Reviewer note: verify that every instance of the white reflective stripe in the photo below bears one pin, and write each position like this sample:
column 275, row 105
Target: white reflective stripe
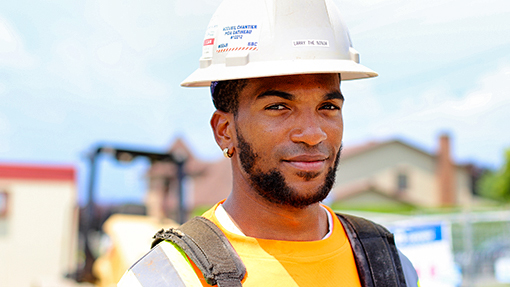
column 155, row 269
column 164, row 265
column 181, row 264
column 129, row 280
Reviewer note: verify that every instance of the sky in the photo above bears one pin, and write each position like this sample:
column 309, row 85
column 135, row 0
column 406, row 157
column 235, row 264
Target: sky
column 78, row 74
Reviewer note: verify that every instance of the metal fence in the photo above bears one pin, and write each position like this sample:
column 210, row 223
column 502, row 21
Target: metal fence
column 478, row 241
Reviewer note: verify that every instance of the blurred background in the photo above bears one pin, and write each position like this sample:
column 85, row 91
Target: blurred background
column 100, row 146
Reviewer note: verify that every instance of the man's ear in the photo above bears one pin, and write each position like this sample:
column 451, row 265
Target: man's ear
column 222, row 124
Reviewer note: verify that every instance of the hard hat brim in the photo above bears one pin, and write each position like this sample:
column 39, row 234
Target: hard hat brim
column 348, row 69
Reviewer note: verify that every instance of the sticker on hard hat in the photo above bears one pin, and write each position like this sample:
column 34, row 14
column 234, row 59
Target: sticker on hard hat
column 208, row 47
column 310, row 43
column 237, row 38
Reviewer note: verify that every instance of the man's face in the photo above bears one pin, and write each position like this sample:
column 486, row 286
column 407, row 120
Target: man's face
column 289, row 134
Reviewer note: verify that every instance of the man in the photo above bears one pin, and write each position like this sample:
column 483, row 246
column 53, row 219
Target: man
column 275, row 68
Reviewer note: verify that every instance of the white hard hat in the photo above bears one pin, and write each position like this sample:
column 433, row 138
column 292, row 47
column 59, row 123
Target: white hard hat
column 264, row 38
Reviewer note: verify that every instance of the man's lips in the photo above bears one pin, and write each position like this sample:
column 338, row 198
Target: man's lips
column 309, row 163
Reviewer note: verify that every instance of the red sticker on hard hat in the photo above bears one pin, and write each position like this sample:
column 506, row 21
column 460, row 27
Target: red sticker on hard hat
column 210, row 35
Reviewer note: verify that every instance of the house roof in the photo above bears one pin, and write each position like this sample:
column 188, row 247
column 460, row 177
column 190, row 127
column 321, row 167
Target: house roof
column 371, row 145
column 355, row 150
column 37, row 172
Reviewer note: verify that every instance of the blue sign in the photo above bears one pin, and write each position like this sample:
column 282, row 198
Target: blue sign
column 411, row 235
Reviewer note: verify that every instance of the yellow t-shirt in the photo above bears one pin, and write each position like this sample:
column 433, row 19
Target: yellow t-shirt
column 327, row 262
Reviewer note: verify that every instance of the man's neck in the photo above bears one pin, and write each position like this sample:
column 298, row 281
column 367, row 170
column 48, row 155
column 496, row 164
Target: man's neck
column 256, row 217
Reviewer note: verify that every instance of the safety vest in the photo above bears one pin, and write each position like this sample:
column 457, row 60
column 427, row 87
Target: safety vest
column 377, row 259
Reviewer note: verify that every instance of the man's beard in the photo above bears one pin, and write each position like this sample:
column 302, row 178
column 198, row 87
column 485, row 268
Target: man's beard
column 272, row 186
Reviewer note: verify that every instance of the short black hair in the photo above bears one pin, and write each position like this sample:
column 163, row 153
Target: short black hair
column 225, row 94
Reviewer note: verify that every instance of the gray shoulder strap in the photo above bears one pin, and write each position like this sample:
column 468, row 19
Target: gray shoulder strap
column 206, row 245
column 374, row 251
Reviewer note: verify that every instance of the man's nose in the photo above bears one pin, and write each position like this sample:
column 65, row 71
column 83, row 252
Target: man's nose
column 308, row 130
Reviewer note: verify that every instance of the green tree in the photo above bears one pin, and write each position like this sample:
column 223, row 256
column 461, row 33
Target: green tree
column 496, row 184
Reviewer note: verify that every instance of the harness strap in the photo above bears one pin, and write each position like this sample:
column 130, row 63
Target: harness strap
column 374, row 251
column 206, row 245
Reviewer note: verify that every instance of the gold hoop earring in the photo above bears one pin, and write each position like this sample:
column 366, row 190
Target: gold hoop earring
column 226, row 153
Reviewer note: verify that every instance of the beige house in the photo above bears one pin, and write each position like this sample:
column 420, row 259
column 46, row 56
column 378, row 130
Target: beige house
column 395, row 173
column 391, row 173
column 38, row 224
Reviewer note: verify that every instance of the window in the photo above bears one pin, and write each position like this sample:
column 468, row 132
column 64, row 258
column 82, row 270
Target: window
column 4, row 212
column 402, row 182
column 3, row 204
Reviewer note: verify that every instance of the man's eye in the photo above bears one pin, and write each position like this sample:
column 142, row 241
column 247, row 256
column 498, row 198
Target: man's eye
column 329, row 107
column 276, row 107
